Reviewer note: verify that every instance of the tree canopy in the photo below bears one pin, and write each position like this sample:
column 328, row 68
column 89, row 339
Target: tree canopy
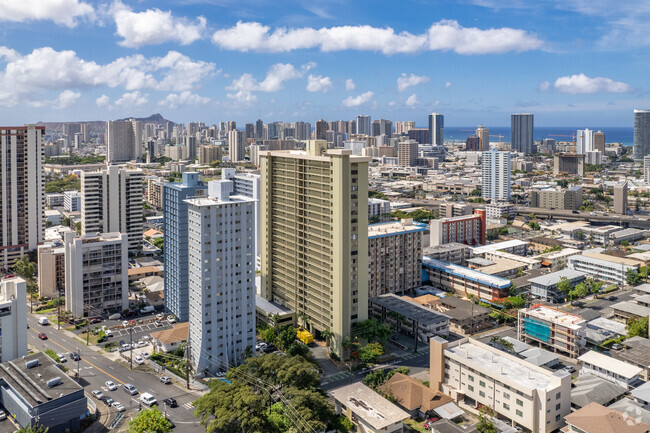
column 638, row 327
column 149, row 421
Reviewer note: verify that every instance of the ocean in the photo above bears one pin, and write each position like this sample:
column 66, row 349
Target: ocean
column 624, row 135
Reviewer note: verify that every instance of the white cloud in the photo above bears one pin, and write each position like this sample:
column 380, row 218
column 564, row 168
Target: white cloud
column 543, row 86
column 132, row 100
column 45, row 69
column 412, row 100
column 355, row 101
column 153, row 27
column 447, row 84
column 183, row 99
column 445, row 35
column 318, row 83
column 405, row 81
column 103, row 101
column 64, row 12
column 581, row 83
column 277, row 74
column 349, row 84
column 66, row 99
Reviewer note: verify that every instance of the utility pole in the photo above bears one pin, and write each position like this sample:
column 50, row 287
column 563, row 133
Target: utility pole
column 58, row 314
column 131, row 348
column 187, row 363
column 78, row 360
column 88, row 329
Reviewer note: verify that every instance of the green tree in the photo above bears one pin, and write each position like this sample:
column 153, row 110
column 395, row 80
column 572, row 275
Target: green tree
column 149, row 421
column 533, row 225
column 403, row 369
column 564, row 285
column 370, row 353
column 327, row 335
column 33, row 429
column 503, row 231
column 632, row 277
column 25, row 269
column 377, row 194
column 286, row 337
column 159, row 243
column 485, row 424
column 372, row 330
column 476, row 192
column 269, row 335
column 375, row 378
column 638, row 327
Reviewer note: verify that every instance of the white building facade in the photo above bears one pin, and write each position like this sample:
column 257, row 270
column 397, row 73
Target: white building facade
column 13, row 319
column 495, row 166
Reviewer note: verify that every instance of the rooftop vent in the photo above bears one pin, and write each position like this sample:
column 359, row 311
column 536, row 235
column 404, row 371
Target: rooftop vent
column 31, row 363
column 53, row 382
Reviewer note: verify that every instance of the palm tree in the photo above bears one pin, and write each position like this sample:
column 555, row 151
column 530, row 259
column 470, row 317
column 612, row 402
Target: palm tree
column 327, row 335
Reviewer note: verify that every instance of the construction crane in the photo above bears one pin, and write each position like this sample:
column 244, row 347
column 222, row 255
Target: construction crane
column 500, row 137
column 573, row 140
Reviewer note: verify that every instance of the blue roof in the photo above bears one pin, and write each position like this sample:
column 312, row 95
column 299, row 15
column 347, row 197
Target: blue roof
column 466, row 273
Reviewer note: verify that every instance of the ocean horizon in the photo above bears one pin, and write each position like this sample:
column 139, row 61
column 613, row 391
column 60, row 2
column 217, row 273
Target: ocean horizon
column 623, row 135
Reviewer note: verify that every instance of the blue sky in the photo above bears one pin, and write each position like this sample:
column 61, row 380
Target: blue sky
column 571, row 62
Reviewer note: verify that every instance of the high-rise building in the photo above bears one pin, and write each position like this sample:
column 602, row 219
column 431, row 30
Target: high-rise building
column 495, row 167
column 473, row 143
column 641, row 134
column 382, row 127
column 407, row 153
column 124, row 141
column 250, row 131
column 22, row 202
column 247, row 185
column 646, row 169
column 51, row 271
column 620, row 198
column 599, row 142
column 209, row 153
column 483, row 135
column 466, row 229
column 231, row 126
column 175, row 226
column 314, row 224
column 554, row 198
column 259, row 129
column 570, row 163
column 85, row 136
column 584, row 141
column 404, row 127
column 236, row 146
column 111, row 201
column 303, row 130
column 221, row 247
column 13, row 319
column 363, row 124
column 521, row 132
column 321, row 129
column 421, row 135
column 437, row 129
column 547, row 145
column 96, row 273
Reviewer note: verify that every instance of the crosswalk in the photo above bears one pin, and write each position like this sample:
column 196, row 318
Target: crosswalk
column 336, row 377
column 188, row 406
column 413, row 355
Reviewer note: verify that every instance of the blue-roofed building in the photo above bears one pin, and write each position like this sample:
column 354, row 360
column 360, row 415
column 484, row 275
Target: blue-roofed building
column 465, row 281
column 544, row 287
column 175, row 237
column 394, row 256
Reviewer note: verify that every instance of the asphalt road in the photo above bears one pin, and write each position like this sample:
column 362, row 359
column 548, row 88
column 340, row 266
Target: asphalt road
column 95, row 369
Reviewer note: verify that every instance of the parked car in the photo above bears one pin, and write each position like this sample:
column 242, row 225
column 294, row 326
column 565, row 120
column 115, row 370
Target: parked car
column 166, row 380
column 130, row 389
column 118, row 406
column 75, row 356
column 171, row 402
column 42, row 335
column 159, row 323
column 260, row 346
column 160, row 316
column 569, row 369
column 98, row 394
column 171, row 319
column 148, row 399
column 95, row 320
column 110, row 385
column 612, row 298
column 125, row 323
column 3, row 415
column 617, row 346
column 62, row 357
column 138, row 360
column 270, row 348
column 145, row 355
column 142, row 343
column 108, row 401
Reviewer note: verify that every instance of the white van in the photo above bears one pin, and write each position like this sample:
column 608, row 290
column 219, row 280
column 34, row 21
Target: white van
column 148, row 399
column 43, row 321
column 148, row 309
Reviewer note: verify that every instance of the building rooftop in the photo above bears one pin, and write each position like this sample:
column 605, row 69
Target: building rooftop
column 211, row 201
column 555, row 277
column 503, row 265
column 552, row 315
column 626, row 232
column 369, row 406
column 32, row 382
column 632, row 308
column 463, row 272
column 270, row 307
column 177, row 333
column 504, row 255
column 597, row 418
column 412, row 394
column 395, row 228
column 563, row 253
column 452, row 246
column 605, row 259
column 608, row 363
column 589, row 388
column 457, row 308
column 410, row 310
column 492, row 360
column 513, row 243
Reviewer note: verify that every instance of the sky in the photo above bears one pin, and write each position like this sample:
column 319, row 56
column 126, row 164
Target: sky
column 570, row 62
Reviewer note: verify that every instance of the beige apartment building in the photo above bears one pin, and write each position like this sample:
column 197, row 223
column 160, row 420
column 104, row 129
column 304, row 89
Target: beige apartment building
column 552, row 198
column 314, row 236
column 51, row 271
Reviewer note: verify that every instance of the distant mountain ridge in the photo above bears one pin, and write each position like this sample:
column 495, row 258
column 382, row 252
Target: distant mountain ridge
column 100, row 125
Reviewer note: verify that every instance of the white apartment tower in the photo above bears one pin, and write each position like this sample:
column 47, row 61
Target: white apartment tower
column 96, row 273
column 221, row 246
column 13, row 319
column 22, row 202
column 496, row 175
column 111, row 201
column 236, row 145
column 584, row 141
column 646, row 169
column 124, row 141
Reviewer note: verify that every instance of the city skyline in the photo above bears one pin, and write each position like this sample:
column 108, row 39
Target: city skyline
column 474, row 61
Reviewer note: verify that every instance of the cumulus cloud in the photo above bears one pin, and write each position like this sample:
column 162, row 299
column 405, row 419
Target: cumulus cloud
column 349, row 84
column 355, row 101
column 447, row 84
column 63, row 12
column 183, row 99
column 45, row 69
column 543, row 86
column 132, row 100
column 318, row 83
column 153, row 27
column 405, row 81
column 581, row 83
column 103, row 101
column 66, row 99
column 244, row 86
column 445, row 35
column 412, row 100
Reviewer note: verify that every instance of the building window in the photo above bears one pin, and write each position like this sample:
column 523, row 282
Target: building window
column 471, row 378
column 557, row 417
column 480, row 382
column 519, row 413
column 481, row 393
column 470, row 387
column 520, row 403
column 506, row 406
column 506, row 395
column 557, row 406
column 558, row 395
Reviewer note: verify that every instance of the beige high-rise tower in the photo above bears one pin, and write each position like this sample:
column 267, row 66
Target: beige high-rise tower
column 314, row 236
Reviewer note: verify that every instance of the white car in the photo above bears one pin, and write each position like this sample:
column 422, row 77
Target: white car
column 3, row 415
column 166, row 380
column 98, row 394
column 125, row 323
column 145, row 355
column 138, row 360
column 62, row 357
column 111, row 386
column 171, row 319
column 118, row 406
column 142, row 343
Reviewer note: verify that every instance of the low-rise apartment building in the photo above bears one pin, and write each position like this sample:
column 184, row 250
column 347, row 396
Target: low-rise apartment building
column 468, row 229
column 513, row 246
column 378, row 207
column 544, row 287
column 406, row 315
column 603, row 267
column 465, row 281
column 558, row 260
column 553, row 329
column 610, row 369
column 51, row 271
column 529, row 396
column 452, row 252
column 394, row 256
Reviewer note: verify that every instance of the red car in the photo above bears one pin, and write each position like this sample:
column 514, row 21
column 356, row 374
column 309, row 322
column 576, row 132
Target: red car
column 42, row 335
column 95, row 320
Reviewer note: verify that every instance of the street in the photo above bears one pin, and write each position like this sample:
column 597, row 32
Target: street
column 95, row 369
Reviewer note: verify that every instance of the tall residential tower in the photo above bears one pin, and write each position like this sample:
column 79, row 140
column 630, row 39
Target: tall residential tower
column 495, row 166
column 521, row 132
column 436, row 129
column 641, row 134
